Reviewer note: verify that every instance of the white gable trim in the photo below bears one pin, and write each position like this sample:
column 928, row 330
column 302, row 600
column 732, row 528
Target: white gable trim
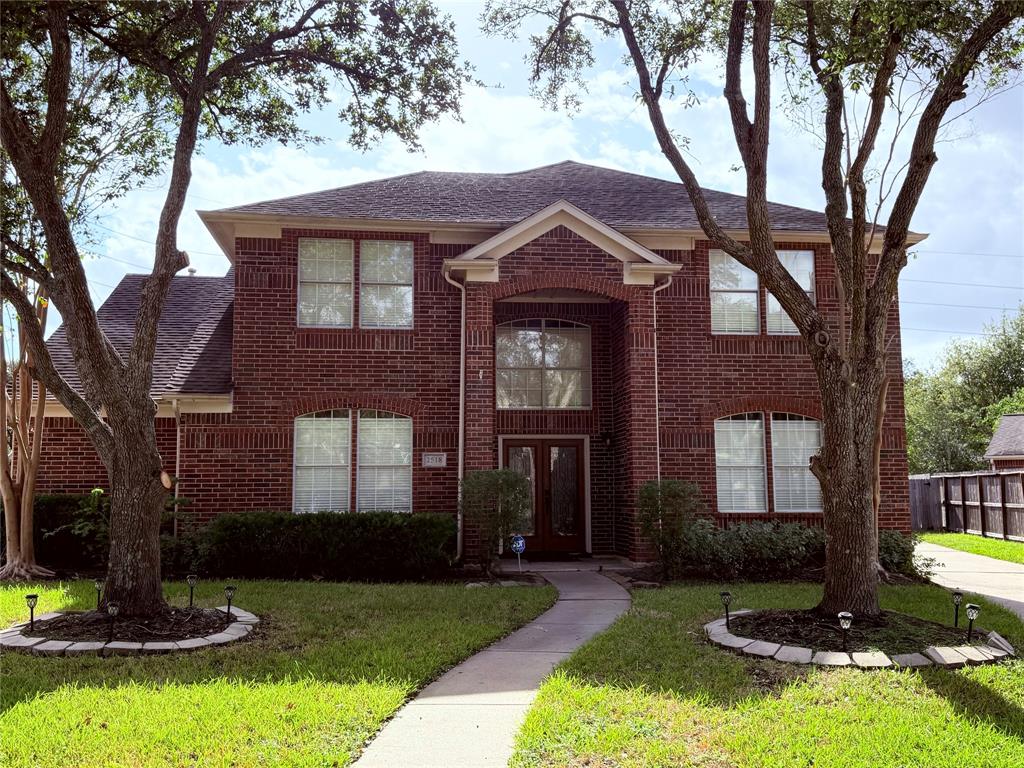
column 568, row 215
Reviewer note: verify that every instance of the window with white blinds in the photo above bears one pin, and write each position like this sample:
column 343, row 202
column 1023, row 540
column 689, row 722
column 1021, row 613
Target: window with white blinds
column 385, row 284
column 384, row 475
column 322, row 467
column 739, row 463
column 542, row 364
column 325, row 282
column 734, row 302
column 800, row 264
column 794, row 440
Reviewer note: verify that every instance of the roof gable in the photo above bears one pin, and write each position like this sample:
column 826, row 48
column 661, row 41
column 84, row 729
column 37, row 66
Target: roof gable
column 1008, row 439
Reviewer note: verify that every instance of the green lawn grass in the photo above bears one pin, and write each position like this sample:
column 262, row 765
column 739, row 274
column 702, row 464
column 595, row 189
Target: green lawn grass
column 1000, row 549
column 326, row 666
column 652, row 692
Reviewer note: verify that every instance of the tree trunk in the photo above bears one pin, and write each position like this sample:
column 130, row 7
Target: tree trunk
column 137, row 499
column 847, row 473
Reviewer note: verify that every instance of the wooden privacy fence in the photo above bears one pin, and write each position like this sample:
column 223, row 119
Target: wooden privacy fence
column 983, row 503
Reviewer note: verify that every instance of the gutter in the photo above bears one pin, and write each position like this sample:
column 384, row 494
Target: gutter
column 462, row 404
column 657, row 386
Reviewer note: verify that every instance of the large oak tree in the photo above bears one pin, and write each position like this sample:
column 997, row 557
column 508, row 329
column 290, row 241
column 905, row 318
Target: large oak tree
column 234, row 71
column 826, row 53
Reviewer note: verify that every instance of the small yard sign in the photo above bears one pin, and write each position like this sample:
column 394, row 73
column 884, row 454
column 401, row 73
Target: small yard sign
column 519, row 546
column 435, row 460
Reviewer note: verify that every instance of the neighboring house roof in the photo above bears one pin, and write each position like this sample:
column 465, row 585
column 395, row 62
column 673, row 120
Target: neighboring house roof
column 193, row 350
column 1008, row 439
column 617, row 198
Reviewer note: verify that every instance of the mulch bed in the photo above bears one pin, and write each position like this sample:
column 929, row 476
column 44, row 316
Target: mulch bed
column 175, row 624
column 889, row 633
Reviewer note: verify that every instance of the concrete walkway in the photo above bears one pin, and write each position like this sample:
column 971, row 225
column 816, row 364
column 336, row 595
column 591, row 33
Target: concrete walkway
column 469, row 717
column 998, row 580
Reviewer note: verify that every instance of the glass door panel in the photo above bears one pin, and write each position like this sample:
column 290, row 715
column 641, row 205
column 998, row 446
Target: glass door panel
column 565, row 490
column 522, row 459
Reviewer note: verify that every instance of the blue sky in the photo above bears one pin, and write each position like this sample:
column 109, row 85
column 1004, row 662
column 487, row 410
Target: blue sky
column 970, row 267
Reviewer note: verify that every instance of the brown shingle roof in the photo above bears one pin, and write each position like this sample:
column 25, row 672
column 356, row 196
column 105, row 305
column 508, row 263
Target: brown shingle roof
column 1008, row 439
column 617, row 198
column 193, row 350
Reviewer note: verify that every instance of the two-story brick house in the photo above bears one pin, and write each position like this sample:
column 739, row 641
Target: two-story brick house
column 372, row 343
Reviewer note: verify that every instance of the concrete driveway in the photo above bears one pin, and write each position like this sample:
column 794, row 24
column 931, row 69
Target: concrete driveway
column 998, row 580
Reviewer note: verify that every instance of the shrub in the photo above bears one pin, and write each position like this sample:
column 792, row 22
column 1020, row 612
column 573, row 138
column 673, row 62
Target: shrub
column 896, row 554
column 72, row 530
column 368, row 546
column 667, row 512
column 495, row 502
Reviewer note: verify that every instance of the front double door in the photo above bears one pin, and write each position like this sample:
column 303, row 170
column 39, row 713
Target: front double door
column 554, row 467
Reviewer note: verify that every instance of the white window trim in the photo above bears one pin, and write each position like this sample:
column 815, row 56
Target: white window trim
column 812, row 294
column 411, row 284
column 295, row 464
column 588, row 372
column 412, row 461
column 298, row 287
column 757, row 299
column 775, row 485
column 764, row 468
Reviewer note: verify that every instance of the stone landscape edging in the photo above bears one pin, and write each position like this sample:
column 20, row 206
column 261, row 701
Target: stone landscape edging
column 950, row 657
column 14, row 639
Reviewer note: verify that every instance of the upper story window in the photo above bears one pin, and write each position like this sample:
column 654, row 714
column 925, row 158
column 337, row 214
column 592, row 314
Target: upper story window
column 739, row 463
column 734, row 296
column 325, row 282
column 800, row 264
column 322, row 451
column 542, row 364
column 794, row 440
column 385, row 284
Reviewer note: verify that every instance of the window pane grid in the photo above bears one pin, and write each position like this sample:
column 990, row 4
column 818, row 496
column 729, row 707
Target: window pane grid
column 739, row 463
column 322, row 445
column 325, row 282
column 794, row 440
column 800, row 264
column 385, row 284
column 734, row 296
column 384, row 480
column 542, row 364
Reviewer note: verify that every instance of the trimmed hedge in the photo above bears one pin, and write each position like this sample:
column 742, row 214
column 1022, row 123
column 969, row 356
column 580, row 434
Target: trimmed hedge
column 363, row 546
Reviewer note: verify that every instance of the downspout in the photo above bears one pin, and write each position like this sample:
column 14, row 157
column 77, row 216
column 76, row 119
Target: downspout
column 657, row 386
column 462, row 403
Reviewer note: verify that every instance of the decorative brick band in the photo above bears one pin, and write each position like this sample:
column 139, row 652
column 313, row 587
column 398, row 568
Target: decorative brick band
column 14, row 639
column 949, row 657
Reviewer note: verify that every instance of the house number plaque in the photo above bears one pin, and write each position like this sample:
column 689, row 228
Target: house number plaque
column 435, row 460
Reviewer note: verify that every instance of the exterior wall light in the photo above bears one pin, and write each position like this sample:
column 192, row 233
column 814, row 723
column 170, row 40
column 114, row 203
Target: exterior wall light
column 726, row 599
column 958, row 597
column 972, row 613
column 191, row 580
column 845, row 622
column 31, row 601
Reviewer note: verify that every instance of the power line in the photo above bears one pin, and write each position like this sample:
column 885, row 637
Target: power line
column 969, row 253
column 962, row 284
column 150, row 242
column 959, row 306
column 943, row 330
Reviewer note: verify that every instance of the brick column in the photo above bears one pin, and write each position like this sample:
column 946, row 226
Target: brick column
column 641, row 428
column 481, row 444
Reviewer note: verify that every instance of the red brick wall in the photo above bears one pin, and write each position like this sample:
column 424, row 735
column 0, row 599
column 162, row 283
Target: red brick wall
column 1000, row 464
column 243, row 460
column 69, row 463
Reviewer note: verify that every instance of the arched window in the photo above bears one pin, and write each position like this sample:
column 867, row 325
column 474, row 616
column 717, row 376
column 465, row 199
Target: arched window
column 322, row 471
column 385, row 462
column 794, row 440
column 542, row 364
column 323, row 467
column 739, row 463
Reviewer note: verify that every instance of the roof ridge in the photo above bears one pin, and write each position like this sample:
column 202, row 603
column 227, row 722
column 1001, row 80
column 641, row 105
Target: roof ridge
column 321, row 191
